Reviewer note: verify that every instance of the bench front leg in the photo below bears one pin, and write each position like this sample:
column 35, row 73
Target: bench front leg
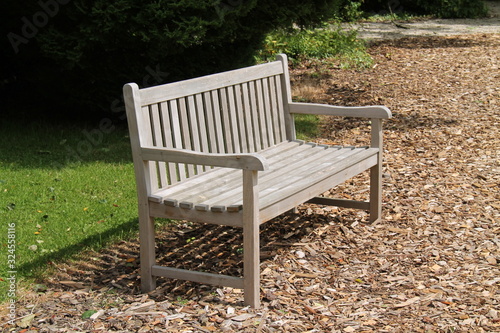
column 376, row 172
column 147, row 249
column 251, row 241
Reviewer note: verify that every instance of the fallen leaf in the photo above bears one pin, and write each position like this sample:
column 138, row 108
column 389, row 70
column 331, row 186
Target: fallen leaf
column 408, row 302
column 73, row 284
column 89, row 313
column 243, row 317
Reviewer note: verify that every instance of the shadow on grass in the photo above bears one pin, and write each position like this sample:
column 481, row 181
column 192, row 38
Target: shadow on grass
column 45, row 145
column 37, row 267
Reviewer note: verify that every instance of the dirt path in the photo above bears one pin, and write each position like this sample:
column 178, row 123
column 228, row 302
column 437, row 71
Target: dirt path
column 432, row 28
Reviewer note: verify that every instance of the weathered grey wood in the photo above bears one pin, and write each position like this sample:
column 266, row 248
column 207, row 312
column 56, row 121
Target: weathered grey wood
column 220, row 179
column 251, row 242
column 176, row 90
column 378, row 112
column 175, row 124
column 161, row 169
column 190, row 139
column 294, row 199
column 266, row 142
column 254, row 125
column 231, row 219
column 139, row 136
column 171, row 168
column 239, row 161
column 376, row 173
column 224, row 189
column 340, row 203
column 200, row 277
column 286, row 92
column 278, row 176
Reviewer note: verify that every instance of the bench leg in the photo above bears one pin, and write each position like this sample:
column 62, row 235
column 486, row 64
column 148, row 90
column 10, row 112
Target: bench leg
column 148, row 256
column 376, row 173
column 251, row 242
column 375, row 193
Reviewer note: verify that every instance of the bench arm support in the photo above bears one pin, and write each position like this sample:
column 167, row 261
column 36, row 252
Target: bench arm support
column 245, row 161
column 373, row 112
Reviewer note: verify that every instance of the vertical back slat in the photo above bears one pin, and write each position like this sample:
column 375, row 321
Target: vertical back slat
column 185, row 133
column 168, row 141
column 177, row 137
column 268, row 117
column 202, row 124
column 280, row 112
column 210, row 123
column 240, row 119
column 226, row 121
column 261, row 114
column 219, row 127
column 152, row 165
column 233, row 126
column 158, row 133
column 193, row 129
column 249, row 127
column 253, row 109
column 274, row 110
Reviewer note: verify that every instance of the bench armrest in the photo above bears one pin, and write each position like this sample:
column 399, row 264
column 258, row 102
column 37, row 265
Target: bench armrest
column 247, row 161
column 374, row 112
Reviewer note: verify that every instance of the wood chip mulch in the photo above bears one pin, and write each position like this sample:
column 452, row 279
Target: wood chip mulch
column 431, row 265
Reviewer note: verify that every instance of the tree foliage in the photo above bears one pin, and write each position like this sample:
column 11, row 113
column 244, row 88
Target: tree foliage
column 77, row 54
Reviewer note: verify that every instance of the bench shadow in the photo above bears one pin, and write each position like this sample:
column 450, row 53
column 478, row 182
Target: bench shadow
column 74, row 250
column 186, row 245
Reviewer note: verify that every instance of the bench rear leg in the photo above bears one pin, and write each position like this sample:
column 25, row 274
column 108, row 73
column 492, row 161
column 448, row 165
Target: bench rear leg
column 251, row 242
column 147, row 251
column 375, row 193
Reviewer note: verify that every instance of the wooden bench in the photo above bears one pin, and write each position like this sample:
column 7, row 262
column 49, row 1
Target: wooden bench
column 191, row 139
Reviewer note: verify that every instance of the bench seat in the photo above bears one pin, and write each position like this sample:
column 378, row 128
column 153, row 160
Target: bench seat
column 293, row 167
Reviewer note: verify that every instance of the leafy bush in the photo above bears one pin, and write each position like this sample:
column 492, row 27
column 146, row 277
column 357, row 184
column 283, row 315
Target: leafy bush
column 78, row 54
column 320, row 43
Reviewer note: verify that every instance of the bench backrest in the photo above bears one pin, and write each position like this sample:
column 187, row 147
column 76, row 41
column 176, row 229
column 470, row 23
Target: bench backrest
column 239, row 111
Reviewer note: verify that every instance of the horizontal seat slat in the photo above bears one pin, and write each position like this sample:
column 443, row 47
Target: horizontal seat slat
column 298, row 184
column 294, row 178
column 234, row 184
column 275, row 175
column 293, row 168
column 214, row 177
column 293, row 199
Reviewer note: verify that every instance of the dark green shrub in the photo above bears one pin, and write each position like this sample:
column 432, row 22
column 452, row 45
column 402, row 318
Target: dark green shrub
column 77, row 54
column 454, row 8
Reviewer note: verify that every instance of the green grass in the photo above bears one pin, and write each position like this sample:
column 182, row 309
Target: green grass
column 66, row 188
column 307, row 126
